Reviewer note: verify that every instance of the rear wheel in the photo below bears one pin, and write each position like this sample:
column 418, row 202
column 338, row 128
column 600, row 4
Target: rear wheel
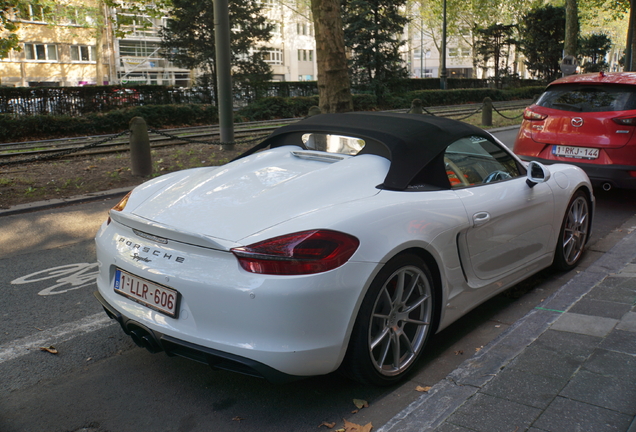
column 394, row 323
column 574, row 232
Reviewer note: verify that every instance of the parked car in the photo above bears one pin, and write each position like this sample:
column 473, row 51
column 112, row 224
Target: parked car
column 588, row 121
column 343, row 241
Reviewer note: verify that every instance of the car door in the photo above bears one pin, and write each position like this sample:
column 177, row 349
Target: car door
column 510, row 222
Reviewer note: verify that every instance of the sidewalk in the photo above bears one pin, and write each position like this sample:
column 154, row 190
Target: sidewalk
column 569, row 365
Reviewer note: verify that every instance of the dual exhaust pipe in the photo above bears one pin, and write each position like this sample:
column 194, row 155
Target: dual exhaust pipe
column 144, row 339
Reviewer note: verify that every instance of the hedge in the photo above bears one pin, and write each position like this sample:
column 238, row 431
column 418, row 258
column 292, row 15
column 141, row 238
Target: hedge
column 161, row 116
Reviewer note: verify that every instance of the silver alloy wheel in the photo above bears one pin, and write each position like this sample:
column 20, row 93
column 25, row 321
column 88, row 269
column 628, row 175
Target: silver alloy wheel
column 400, row 320
column 575, row 230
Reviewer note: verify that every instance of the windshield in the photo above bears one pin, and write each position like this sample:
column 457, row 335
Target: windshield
column 589, row 98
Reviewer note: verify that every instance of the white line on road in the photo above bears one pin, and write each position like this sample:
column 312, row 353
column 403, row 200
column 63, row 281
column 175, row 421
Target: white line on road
column 46, row 338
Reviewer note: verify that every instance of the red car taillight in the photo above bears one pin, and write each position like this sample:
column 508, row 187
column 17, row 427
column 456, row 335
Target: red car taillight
column 625, row 121
column 528, row 114
column 305, row 252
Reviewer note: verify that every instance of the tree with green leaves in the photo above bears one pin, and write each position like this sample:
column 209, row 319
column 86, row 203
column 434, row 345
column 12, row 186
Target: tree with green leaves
column 373, row 33
column 8, row 27
column 493, row 45
column 542, row 32
column 593, row 49
column 188, row 40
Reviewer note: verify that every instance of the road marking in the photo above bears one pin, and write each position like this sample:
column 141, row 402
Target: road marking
column 79, row 275
column 56, row 335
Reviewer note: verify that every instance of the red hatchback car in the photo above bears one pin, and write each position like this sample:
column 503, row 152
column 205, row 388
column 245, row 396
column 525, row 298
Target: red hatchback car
column 586, row 120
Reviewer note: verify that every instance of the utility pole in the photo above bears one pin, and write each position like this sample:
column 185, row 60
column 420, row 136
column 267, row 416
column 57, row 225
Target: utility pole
column 223, row 73
column 442, row 74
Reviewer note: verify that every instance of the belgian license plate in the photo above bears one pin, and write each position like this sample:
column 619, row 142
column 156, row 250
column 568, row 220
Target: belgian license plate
column 575, row 152
column 156, row 297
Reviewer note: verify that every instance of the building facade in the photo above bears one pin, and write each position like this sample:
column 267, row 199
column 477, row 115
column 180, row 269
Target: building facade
column 61, row 54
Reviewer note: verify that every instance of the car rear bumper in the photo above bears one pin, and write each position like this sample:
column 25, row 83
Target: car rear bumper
column 606, row 176
column 156, row 342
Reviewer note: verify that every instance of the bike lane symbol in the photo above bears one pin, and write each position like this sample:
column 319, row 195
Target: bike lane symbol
column 76, row 276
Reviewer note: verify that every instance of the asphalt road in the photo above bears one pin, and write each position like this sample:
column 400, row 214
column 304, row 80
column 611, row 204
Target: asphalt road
column 99, row 381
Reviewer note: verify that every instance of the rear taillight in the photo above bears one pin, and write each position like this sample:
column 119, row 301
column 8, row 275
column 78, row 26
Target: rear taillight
column 625, row 121
column 299, row 253
column 528, row 114
column 120, row 205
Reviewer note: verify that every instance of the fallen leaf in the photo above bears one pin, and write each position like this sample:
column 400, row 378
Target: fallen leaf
column 355, row 411
column 50, row 349
column 422, row 389
column 238, row 419
column 326, row 424
column 360, row 403
column 459, row 352
column 352, row 427
column 478, row 349
column 89, row 359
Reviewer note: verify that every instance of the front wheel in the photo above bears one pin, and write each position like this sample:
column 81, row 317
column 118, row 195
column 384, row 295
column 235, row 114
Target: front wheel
column 574, row 233
column 396, row 319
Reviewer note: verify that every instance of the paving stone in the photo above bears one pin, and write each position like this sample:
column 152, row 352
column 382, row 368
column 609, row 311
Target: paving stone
column 525, row 388
column 566, row 415
column 620, row 341
column 584, row 324
column 447, row 427
column 612, row 363
column 484, row 413
column 611, row 392
column 619, row 290
column 628, row 322
column 600, row 308
column 560, row 354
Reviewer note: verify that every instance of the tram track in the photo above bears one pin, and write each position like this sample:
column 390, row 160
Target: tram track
column 198, row 134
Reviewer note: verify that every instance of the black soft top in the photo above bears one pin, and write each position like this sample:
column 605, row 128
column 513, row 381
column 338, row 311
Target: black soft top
column 414, row 143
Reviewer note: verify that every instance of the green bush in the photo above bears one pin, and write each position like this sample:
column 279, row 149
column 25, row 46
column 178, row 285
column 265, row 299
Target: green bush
column 46, row 126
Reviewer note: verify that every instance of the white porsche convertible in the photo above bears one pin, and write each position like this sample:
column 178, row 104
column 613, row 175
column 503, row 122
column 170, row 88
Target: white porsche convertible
column 343, row 241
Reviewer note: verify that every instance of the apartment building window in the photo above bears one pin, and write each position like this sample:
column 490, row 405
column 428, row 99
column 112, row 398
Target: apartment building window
column 43, row 52
column 273, row 56
column 82, row 53
column 138, row 48
column 33, row 12
column 305, row 55
column 304, row 29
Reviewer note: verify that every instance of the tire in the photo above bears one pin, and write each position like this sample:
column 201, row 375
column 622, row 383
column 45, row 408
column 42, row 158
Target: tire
column 394, row 323
column 574, row 233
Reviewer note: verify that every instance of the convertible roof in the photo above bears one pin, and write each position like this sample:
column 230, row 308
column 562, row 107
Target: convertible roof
column 410, row 141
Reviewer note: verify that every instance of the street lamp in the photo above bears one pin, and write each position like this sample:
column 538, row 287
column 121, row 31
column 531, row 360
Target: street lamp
column 442, row 75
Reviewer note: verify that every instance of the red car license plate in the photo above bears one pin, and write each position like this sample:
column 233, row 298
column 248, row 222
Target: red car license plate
column 156, row 297
column 575, row 152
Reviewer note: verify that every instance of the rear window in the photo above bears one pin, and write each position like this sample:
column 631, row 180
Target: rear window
column 589, row 98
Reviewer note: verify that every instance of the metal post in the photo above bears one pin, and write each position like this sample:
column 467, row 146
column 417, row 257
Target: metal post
column 442, row 75
column 223, row 73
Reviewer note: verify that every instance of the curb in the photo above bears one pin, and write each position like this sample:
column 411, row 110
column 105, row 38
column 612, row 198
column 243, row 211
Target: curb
column 54, row 203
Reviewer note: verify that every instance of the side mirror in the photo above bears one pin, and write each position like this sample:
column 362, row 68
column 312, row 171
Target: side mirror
column 537, row 173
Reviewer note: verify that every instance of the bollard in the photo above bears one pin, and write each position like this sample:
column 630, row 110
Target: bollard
column 416, row 107
column 486, row 112
column 141, row 161
column 314, row 110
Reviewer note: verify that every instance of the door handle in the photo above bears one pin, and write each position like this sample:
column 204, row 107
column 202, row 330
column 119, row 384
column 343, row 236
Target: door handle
column 480, row 218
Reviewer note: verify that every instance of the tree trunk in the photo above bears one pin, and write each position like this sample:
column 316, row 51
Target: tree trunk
column 571, row 27
column 630, row 57
column 333, row 76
